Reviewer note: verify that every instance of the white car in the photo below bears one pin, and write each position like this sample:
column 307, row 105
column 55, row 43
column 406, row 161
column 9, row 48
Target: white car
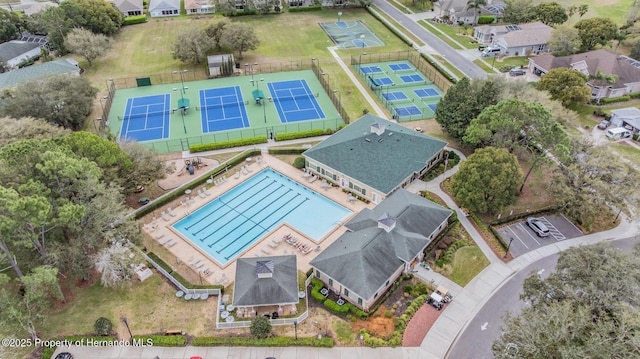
column 538, row 226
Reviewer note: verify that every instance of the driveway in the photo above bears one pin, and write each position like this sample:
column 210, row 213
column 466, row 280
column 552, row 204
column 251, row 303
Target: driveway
column 526, row 240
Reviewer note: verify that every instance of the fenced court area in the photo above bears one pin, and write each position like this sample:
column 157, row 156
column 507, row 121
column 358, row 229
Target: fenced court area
column 350, row 34
column 225, row 109
column 404, row 90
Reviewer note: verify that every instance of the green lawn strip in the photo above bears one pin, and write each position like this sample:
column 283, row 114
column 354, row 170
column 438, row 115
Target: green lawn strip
column 390, row 20
column 409, row 6
column 629, row 152
column 344, row 332
column 483, row 65
column 515, row 61
column 399, row 6
column 454, row 45
column 467, row 263
column 450, row 67
column 454, row 33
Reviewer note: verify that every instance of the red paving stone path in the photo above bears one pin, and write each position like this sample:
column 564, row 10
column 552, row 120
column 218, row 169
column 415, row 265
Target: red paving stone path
column 419, row 325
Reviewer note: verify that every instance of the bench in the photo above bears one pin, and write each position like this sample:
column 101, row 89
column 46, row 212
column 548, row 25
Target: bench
column 173, row 332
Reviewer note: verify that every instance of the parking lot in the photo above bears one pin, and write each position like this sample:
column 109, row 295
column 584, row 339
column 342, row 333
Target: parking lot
column 525, row 239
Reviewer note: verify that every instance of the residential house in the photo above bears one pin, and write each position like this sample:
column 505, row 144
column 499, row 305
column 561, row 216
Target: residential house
column 161, row 8
column 379, row 246
column 625, row 69
column 15, row 52
column 129, row 7
column 373, row 157
column 12, row 79
column 265, row 282
column 628, row 117
column 457, row 10
column 515, row 39
column 199, row 7
column 221, row 65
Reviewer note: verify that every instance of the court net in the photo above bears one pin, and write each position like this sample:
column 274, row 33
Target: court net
column 145, row 115
column 221, row 105
column 296, row 97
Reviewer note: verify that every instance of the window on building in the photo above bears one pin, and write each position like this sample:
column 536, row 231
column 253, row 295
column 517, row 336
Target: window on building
column 360, row 301
column 331, row 282
column 317, row 273
column 386, row 284
column 375, row 295
column 346, row 292
column 357, row 188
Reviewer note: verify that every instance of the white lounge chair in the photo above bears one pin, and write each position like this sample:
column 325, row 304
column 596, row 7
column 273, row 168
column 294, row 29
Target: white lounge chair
column 224, row 178
column 266, row 251
column 237, row 175
column 273, row 245
column 164, row 216
column 159, row 235
column 194, row 261
column 244, row 171
column 172, row 242
column 199, row 265
column 164, row 241
column 203, row 269
column 201, row 194
column 171, row 212
column 206, row 191
column 313, row 179
column 248, row 168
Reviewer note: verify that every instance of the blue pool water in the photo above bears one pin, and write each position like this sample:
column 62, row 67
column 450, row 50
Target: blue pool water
column 228, row 225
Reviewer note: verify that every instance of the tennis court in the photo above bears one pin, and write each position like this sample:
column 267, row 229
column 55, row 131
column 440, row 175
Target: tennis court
column 350, row 34
column 295, row 101
column 381, row 81
column 370, row 69
column 426, row 92
column 432, row 106
column 407, row 111
column 395, row 96
column 146, row 118
column 401, row 67
column 412, row 78
column 222, row 109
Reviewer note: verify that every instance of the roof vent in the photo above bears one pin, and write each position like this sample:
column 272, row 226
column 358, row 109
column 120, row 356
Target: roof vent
column 380, row 140
column 387, row 222
column 390, row 134
column 377, row 128
column 367, row 139
column 264, row 269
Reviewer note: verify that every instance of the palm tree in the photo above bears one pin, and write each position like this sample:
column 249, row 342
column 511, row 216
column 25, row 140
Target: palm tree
column 477, row 5
column 602, row 78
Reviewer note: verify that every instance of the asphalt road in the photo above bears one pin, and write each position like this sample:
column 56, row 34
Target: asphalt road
column 467, row 67
column 476, row 339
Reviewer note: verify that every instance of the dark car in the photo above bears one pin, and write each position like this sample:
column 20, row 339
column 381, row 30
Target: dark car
column 517, row 72
column 538, row 226
column 144, row 200
column 64, row 355
column 604, row 124
column 481, row 47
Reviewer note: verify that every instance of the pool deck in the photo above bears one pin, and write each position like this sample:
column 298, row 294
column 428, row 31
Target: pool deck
column 184, row 252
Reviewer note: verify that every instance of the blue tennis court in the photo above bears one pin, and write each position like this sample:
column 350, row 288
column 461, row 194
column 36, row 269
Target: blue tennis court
column 412, row 78
column 295, row 101
column 426, row 92
column 370, row 69
column 400, row 67
column 395, row 96
column 408, row 111
column 432, row 106
column 146, row 118
column 381, row 81
column 342, row 24
column 222, row 109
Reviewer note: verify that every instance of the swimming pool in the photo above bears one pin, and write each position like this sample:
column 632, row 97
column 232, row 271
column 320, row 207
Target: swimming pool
column 228, row 225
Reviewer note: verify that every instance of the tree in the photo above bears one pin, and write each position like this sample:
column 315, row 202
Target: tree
column 87, row 44
column 635, row 50
column 487, row 181
column 565, row 85
column 583, row 9
column 590, row 180
column 12, row 130
column 519, row 11
column 192, row 45
column 103, row 326
column 56, row 22
column 564, row 40
column 62, row 100
column 596, row 31
column 463, row 102
column 239, row 37
column 551, row 13
column 260, row 327
column 587, row 308
column 10, row 25
column 215, row 31
column 101, row 16
column 477, row 6
column 146, row 166
column 115, row 265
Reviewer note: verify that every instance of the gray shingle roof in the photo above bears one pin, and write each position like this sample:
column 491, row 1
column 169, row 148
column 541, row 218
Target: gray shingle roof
column 280, row 288
column 363, row 155
column 366, row 256
column 13, row 78
column 128, row 5
column 15, row 48
column 163, row 4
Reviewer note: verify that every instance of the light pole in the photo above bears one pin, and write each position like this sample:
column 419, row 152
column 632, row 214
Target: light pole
column 181, row 115
column 339, row 14
column 387, row 92
column 362, row 39
column 250, row 66
column 360, row 59
column 264, row 109
column 184, row 89
column 126, row 323
column 102, row 104
column 340, row 96
column 328, row 79
column 109, row 85
column 295, row 328
column 508, row 246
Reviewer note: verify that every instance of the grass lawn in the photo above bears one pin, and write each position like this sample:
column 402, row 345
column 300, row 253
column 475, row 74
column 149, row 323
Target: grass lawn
column 467, row 263
column 629, row 152
column 449, row 67
column 616, row 10
column 516, row 61
column 483, row 65
column 344, row 332
column 458, row 33
column 430, row 27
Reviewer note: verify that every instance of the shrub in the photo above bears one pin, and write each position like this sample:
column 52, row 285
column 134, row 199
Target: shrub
column 299, row 162
column 615, row 99
column 335, row 308
column 302, row 134
column 162, row 340
column 305, row 8
column 103, row 326
column 228, row 144
column 47, row 353
column 260, row 327
column 267, row 342
column 132, row 20
column 286, row 150
column 486, row 19
column 388, row 314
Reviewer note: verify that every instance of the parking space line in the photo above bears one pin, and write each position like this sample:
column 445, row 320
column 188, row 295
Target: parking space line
column 571, row 223
column 517, row 236
column 553, row 230
column 525, row 229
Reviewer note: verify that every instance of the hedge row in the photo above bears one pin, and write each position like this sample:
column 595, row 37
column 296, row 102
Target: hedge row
column 400, row 326
column 286, row 150
column 438, row 68
column 201, row 147
column 485, row 19
column 393, row 29
column 267, row 342
column 615, row 99
column 634, row 95
column 162, row 340
column 178, row 277
column 435, row 242
column 305, row 8
column 240, row 158
column 132, row 20
column 303, row 134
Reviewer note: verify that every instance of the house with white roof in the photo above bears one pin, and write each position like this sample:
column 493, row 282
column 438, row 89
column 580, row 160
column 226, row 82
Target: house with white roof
column 161, row 8
column 628, row 117
column 129, row 7
column 515, row 39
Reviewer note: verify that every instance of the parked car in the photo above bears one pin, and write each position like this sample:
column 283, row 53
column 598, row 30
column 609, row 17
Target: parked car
column 517, row 72
column 64, row 355
column 604, row 124
column 618, row 133
column 538, row 226
column 481, row 47
column 491, row 52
